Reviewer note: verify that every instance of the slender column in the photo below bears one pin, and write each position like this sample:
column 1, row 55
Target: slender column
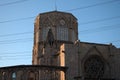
column 79, row 75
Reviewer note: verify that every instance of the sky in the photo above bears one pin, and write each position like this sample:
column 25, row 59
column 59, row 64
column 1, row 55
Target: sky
column 98, row 22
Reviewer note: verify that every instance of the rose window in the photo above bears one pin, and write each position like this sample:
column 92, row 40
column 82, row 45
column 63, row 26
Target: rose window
column 93, row 67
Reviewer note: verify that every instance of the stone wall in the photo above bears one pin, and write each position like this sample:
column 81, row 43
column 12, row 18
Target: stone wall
column 32, row 72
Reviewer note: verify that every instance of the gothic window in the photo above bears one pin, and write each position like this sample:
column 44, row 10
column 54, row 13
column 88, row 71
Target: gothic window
column 93, row 67
column 73, row 36
column 13, row 76
column 50, row 37
column 44, row 33
column 31, row 76
column 4, row 76
column 62, row 33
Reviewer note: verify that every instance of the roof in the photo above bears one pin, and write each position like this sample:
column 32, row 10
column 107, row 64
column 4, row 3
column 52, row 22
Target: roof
column 35, row 66
column 58, row 12
column 95, row 43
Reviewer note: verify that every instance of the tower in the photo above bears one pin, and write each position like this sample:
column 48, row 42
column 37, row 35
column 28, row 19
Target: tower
column 51, row 31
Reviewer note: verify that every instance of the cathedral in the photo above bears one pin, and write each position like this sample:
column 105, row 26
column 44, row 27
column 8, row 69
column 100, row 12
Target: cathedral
column 58, row 54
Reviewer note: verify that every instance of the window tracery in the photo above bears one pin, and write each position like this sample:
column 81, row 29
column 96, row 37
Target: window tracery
column 62, row 33
column 93, row 67
column 44, row 33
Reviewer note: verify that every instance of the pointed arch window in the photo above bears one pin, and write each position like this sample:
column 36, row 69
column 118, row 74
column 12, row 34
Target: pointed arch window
column 73, row 36
column 31, row 76
column 44, row 33
column 62, row 33
column 4, row 76
column 50, row 37
column 13, row 76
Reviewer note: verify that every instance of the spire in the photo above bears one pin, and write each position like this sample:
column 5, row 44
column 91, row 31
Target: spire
column 55, row 5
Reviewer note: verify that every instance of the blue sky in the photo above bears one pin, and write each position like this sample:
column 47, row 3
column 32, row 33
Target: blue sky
column 99, row 22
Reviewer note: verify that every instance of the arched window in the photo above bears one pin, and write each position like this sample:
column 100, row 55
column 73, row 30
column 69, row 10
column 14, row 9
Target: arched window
column 13, row 76
column 62, row 33
column 31, row 76
column 93, row 67
column 44, row 33
column 4, row 76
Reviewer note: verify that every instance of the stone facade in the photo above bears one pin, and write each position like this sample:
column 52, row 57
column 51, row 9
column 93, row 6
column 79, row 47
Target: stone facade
column 56, row 46
column 31, row 72
column 56, row 43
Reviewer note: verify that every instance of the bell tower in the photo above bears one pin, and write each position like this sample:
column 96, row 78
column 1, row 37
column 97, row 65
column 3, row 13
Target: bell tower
column 51, row 31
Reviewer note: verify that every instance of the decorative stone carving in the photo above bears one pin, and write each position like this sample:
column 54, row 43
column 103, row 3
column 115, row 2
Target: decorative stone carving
column 94, row 67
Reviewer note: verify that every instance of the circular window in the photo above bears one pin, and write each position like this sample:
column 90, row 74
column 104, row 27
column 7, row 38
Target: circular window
column 93, row 67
